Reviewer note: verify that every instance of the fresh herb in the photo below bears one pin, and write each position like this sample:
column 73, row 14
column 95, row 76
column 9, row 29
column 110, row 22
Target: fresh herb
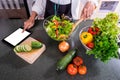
column 106, row 46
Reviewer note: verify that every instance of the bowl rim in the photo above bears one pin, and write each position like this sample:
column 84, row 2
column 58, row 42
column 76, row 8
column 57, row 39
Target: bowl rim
column 46, row 31
column 87, row 48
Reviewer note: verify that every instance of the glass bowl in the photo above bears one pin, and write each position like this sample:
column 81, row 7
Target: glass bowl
column 84, row 29
column 57, row 28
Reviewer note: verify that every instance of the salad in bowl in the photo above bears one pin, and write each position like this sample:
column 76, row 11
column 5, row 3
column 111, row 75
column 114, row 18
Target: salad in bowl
column 58, row 28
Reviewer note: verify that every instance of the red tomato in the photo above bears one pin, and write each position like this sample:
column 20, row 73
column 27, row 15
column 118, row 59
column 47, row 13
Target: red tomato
column 97, row 29
column 90, row 45
column 64, row 46
column 93, row 31
column 82, row 70
column 72, row 69
column 90, row 29
column 78, row 61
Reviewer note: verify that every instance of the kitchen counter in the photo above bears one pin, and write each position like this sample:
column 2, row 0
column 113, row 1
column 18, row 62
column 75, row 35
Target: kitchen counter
column 13, row 67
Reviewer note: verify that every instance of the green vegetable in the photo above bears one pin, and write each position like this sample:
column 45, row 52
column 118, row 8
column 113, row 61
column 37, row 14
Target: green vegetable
column 64, row 61
column 106, row 46
column 22, row 48
column 36, row 44
column 64, row 28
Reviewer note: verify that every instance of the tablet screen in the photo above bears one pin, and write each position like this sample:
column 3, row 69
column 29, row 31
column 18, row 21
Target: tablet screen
column 17, row 36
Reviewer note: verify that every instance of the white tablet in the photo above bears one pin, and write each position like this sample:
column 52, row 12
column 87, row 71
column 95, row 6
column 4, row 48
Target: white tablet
column 17, row 36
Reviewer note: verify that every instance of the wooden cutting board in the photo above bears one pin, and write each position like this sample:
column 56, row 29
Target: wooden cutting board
column 31, row 56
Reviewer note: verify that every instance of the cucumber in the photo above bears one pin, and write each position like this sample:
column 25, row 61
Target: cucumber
column 17, row 48
column 36, row 44
column 27, row 48
column 22, row 48
column 64, row 61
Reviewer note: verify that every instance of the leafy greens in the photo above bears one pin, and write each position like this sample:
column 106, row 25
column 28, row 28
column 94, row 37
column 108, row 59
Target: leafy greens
column 106, row 46
column 61, row 31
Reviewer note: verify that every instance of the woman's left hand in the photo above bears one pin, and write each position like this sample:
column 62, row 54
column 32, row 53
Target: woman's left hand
column 88, row 10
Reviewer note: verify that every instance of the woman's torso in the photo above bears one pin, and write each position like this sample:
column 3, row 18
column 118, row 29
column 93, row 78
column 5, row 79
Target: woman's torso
column 58, row 7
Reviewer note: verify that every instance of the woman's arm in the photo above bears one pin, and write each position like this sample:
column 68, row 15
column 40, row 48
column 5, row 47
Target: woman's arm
column 30, row 22
column 38, row 8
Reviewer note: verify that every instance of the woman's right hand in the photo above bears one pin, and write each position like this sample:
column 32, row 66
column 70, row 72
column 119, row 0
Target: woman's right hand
column 88, row 10
column 28, row 24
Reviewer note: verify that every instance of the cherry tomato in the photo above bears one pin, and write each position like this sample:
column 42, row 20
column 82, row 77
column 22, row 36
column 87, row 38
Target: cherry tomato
column 82, row 70
column 94, row 33
column 78, row 61
column 64, row 46
column 90, row 45
column 94, row 30
column 97, row 29
column 90, row 29
column 72, row 69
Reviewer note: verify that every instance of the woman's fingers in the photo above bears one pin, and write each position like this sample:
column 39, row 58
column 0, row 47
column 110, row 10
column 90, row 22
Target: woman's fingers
column 88, row 10
column 25, row 26
column 28, row 24
column 83, row 14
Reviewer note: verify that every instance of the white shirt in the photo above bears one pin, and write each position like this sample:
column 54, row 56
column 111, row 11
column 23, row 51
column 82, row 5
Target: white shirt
column 76, row 6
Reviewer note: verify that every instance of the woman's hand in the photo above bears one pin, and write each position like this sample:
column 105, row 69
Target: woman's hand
column 88, row 10
column 30, row 22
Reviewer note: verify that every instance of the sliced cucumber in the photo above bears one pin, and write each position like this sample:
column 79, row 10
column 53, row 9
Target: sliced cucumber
column 15, row 50
column 27, row 48
column 22, row 48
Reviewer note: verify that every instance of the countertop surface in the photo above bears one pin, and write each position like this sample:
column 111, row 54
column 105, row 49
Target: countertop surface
column 13, row 67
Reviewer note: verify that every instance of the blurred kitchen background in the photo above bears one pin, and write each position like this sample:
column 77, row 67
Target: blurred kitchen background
column 21, row 9
column 15, row 8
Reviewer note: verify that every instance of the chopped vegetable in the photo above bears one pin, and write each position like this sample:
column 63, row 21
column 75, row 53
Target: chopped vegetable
column 56, row 26
column 22, row 48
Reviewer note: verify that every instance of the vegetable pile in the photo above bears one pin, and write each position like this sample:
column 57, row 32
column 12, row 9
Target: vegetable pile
column 105, row 37
column 72, row 63
column 77, row 66
column 58, row 28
